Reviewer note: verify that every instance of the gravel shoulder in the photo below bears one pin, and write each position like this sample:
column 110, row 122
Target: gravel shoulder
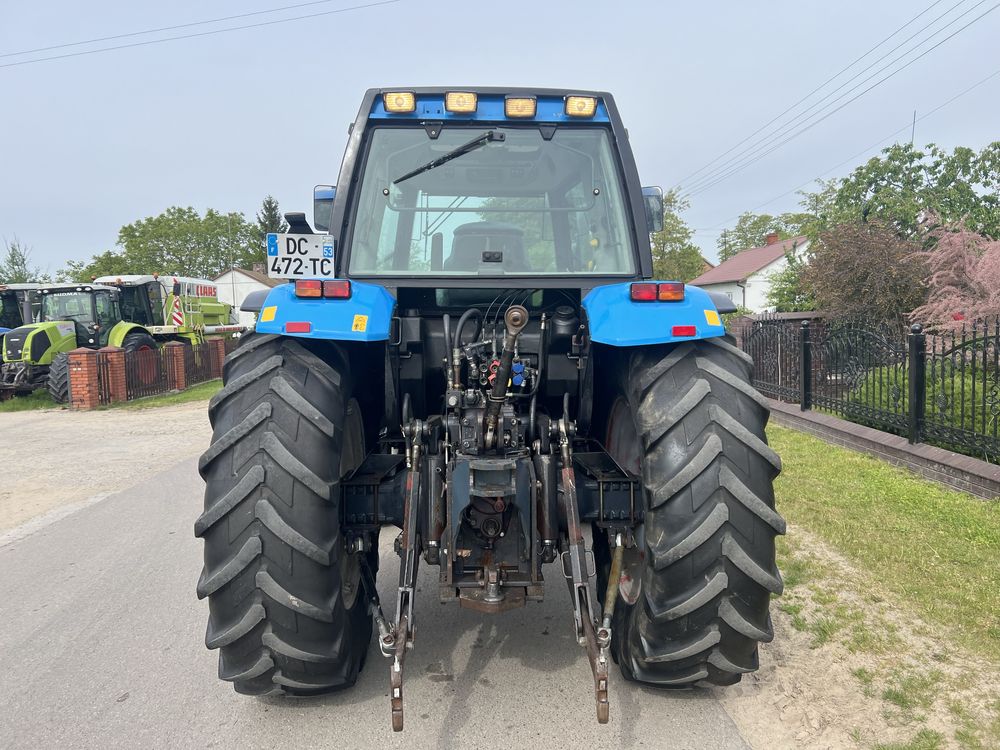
column 56, row 458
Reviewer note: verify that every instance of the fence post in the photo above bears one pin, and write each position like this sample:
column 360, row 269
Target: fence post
column 115, row 357
column 83, row 387
column 916, row 380
column 805, row 368
column 174, row 360
column 217, row 350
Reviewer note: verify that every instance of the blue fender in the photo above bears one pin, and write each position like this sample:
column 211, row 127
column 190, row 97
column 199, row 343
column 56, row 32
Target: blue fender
column 365, row 316
column 616, row 320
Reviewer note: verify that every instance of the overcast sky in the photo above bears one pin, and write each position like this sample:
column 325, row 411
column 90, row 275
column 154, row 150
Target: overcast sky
column 92, row 142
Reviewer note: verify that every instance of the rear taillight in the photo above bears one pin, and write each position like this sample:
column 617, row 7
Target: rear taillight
column 337, row 289
column 667, row 291
column 309, row 288
column 315, row 288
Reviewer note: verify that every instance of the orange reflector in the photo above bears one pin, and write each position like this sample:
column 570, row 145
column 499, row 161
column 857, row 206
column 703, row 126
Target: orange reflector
column 581, row 106
column 399, row 101
column 671, row 291
column 337, row 289
column 460, row 101
column 298, row 327
column 519, row 106
column 308, row 288
column 684, row 331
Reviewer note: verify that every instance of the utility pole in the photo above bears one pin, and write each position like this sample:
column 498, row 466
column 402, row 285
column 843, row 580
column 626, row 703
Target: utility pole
column 913, row 128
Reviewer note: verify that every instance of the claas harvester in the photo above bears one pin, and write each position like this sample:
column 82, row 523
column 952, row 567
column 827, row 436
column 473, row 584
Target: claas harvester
column 134, row 312
column 470, row 348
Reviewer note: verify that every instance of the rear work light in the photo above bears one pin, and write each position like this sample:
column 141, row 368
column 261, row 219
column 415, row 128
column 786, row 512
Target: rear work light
column 668, row 291
column 581, row 106
column 315, row 288
column 519, row 106
column 399, row 101
column 460, row 101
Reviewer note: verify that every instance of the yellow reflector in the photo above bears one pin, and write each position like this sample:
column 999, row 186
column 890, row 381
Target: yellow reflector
column 460, row 101
column 399, row 101
column 581, row 106
column 518, row 106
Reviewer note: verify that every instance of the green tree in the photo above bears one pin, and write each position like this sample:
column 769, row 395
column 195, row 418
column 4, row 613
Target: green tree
column 752, row 229
column 788, row 292
column 16, row 266
column 904, row 183
column 269, row 219
column 178, row 241
column 675, row 256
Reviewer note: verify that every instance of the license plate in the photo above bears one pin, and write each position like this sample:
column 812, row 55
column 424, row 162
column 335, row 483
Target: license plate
column 294, row 256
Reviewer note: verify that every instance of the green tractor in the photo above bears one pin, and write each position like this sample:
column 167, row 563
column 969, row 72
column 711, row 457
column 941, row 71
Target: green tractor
column 133, row 312
column 18, row 305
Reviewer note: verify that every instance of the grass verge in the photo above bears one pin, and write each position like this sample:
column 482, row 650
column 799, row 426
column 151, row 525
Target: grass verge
column 933, row 547
column 200, row 392
column 35, row 400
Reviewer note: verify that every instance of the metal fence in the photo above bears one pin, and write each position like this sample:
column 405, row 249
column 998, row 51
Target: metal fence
column 198, row 364
column 146, row 373
column 930, row 388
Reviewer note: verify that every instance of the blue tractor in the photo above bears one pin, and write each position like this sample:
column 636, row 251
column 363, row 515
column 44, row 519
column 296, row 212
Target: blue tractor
column 470, row 347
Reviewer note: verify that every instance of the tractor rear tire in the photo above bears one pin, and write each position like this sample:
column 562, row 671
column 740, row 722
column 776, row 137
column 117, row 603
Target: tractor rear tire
column 58, row 383
column 286, row 609
column 691, row 424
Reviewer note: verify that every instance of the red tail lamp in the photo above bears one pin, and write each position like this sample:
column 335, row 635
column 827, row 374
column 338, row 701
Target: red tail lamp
column 316, row 288
column 667, row 291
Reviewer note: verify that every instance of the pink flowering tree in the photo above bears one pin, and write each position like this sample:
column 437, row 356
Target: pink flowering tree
column 964, row 277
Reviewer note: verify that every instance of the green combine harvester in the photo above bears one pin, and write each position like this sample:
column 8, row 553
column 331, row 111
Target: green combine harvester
column 134, row 312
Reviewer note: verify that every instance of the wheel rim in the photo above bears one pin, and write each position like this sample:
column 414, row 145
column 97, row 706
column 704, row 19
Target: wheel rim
column 623, row 445
column 352, row 451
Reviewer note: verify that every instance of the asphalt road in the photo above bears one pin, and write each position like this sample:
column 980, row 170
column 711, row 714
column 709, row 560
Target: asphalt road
column 101, row 645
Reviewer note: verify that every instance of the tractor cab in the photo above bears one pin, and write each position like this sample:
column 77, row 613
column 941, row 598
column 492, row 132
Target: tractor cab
column 18, row 305
column 93, row 310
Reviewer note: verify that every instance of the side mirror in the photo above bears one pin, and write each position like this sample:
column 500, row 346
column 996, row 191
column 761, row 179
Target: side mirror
column 652, row 197
column 323, row 207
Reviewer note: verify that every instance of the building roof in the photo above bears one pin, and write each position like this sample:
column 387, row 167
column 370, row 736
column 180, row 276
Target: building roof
column 747, row 262
column 257, row 276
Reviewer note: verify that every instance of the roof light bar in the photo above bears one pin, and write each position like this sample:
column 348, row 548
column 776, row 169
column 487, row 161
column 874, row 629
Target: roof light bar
column 399, row 101
column 581, row 106
column 460, row 101
column 520, row 106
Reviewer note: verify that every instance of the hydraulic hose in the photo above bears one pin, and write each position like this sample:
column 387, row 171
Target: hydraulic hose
column 515, row 319
column 456, row 354
column 446, row 322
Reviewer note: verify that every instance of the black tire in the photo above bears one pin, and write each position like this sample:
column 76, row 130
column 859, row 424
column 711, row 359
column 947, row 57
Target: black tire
column 689, row 421
column 284, row 428
column 58, row 382
column 136, row 341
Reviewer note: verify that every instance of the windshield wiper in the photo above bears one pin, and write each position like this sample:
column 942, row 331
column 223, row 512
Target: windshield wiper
column 490, row 136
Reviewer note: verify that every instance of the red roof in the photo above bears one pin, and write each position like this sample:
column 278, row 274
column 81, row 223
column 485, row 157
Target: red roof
column 748, row 262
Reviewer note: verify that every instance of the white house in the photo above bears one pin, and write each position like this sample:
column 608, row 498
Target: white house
column 746, row 277
column 234, row 286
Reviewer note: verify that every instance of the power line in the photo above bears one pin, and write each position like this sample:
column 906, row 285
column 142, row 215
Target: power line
column 784, row 128
column 746, row 156
column 197, row 34
column 163, row 28
column 864, row 151
column 815, row 90
column 755, row 158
